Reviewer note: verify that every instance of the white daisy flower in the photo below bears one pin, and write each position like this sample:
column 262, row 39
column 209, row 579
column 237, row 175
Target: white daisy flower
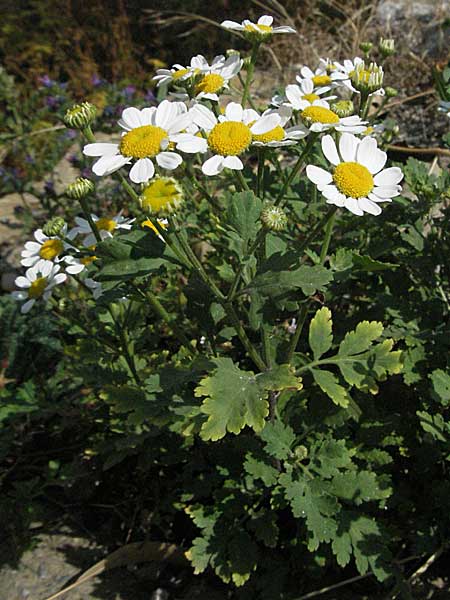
column 173, row 75
column 149, row 134
column 323, row 79
column 358, row 181
column 279, row 135
column 104, row 225
column 44, row 248
column 303, row 95
column 217, row 77
column 231, row 134
column 347, row 69
column 318, row 118
column 75, row 265
column 262, row 28
column 38, row 282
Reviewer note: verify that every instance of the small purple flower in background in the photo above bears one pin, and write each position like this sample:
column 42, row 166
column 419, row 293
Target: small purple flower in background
column 46, row 81
column 108, row 111
column 70, row 134
column 73, row 159
column 87, row 172
column 29, row 159
column 96, row 80
column 52, row 101
column 129, row 91
column 49, row 187
column 150, row 96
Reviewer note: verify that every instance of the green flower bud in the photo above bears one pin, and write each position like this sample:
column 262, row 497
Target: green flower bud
column 390, row 92
column 301, row 452
column 54, row 226
column 80, row 188
column 343, row 108
column 366, row 47
column 273, row 218
column 232, row 52
column 387, row 47
column 80, row 116
column 367, row 79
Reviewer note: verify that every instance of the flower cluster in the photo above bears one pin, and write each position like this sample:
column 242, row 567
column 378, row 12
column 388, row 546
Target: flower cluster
column 193, row 127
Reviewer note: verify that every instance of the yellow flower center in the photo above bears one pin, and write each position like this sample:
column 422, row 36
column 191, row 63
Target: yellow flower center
column 150, row 225
column 180, row 73
column 368, row 130
column 86, row 260
column 230, row 138
column 37, row 288
column 50, row 249
column 321, row 80
column 320, row 114
column 161, row 194
column 105, row 224
column 258, row 28
column 310, row 97
column 353, row 179
column 210, row 84
column 274, row 135
column 142, row 142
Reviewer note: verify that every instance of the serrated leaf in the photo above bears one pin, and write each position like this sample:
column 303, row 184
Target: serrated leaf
column 278, row 283
column 265, row 528
column 358, row 487
column 198, row 555
column 433, row 424
column 361, row 536
column 279, row 378
column 279, row 439
column 258, row 469
column 244, row 210
column 329, row 384
column 363, row 262
column 441, row 385
column 233, row 399
column 320, row 332
column 361, row 338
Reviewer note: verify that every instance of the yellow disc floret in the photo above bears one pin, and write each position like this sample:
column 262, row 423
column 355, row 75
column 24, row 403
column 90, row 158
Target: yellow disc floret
column 230, row 138
column 210, row 84
column 274, row 135
column 105, row 224
column 37, row 287
column 143, row 142
column 50, row 249
column 320, row 114
column 353, row 180
column 150, row 225
column 258, row 28
column 180, row 73
column 321, row 80
column 162, row 194
column 310, row 97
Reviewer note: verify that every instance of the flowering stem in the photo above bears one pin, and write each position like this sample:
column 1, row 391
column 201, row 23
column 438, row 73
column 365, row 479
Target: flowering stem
column 364, row 105
column 260, row 175
column 299, row 165
column 250, row 101
column 226, row 303
column 303, row 311
column 250, row 69
column 317, row 228
column 259, row 238
column 127, row 187
column 125, row 348
column 89, row 219
column 87, row 132
column 242, row 183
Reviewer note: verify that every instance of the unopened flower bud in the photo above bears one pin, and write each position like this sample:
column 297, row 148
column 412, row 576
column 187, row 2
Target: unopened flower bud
column 273, row 218
column 232, row 52
column 80, row 188
column 366, row 47
column 367, row 79
column 390, row 92
column 80, row 116
column 387, row 47
column 54, row 226
column 246, row 62
column 343, row 108
column 301, row 452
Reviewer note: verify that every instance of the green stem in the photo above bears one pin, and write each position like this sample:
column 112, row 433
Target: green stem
column 300, row 321
column 328, row 232
column 251, row 350
column 124, row 345
column 241, row 180
column 87, row 132
column 259, row 238
column 128, row 188
column 89, row 219
column 299, row 165
column 364, row 105
column 250, row 70
column 260, row 175
column 312, row 235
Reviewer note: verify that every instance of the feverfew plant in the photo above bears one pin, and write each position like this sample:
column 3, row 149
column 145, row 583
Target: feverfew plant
column 218, row 279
